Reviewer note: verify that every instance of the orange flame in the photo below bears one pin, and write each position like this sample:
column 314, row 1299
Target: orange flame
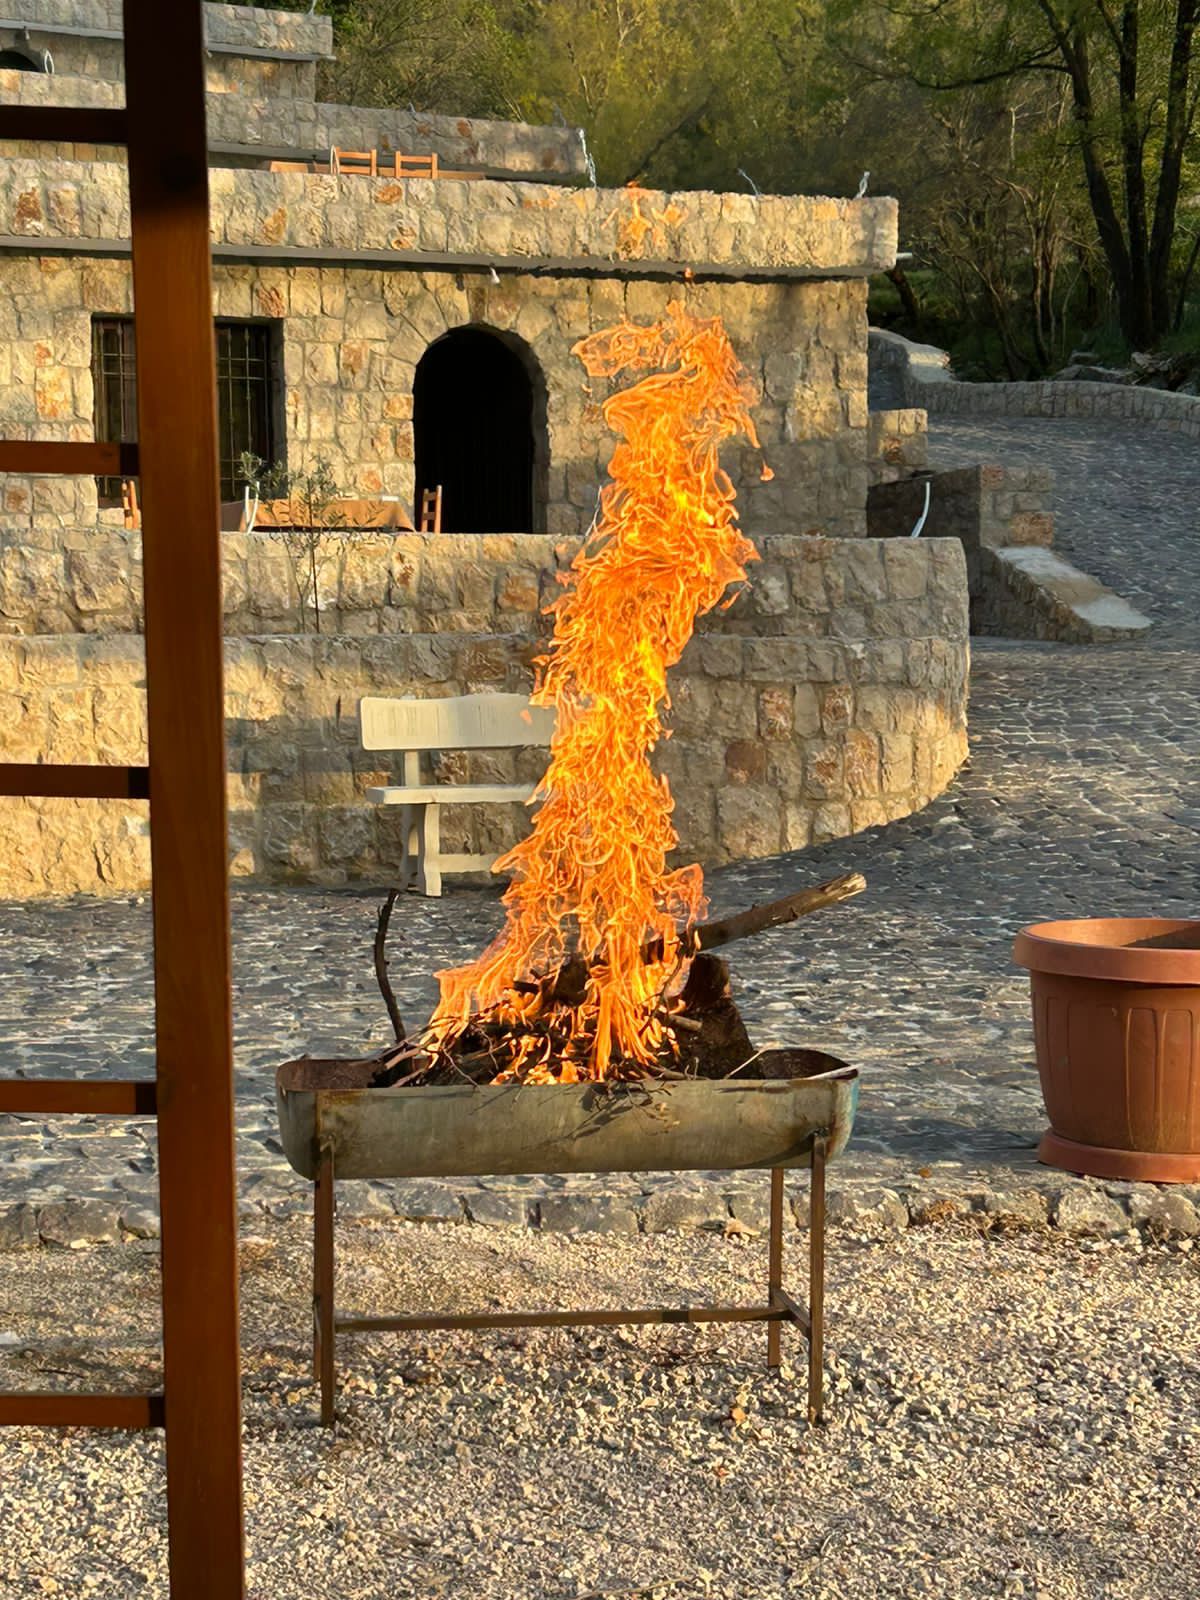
column 591, row 879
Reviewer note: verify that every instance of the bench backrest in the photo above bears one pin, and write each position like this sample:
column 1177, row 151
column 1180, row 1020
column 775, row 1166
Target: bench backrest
column 460, row 722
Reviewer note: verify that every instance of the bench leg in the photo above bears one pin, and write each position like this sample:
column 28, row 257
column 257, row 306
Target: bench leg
column 410, row 849
column 429, row 861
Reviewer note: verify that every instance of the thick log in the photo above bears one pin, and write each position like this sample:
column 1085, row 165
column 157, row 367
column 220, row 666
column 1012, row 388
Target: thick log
column 724, row 930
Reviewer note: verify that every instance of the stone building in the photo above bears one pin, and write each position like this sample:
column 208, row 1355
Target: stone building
column 412, row 330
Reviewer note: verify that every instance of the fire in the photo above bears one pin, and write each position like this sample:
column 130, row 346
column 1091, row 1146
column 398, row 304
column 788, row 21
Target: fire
column 583, row 972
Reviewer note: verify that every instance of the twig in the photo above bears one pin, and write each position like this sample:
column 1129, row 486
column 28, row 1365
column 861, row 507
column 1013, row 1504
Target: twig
column 381, row 966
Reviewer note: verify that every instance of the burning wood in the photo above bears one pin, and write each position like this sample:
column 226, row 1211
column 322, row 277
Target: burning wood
column 600, row 970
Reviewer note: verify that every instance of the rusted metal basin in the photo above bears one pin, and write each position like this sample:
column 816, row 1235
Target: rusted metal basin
column 472, row 1130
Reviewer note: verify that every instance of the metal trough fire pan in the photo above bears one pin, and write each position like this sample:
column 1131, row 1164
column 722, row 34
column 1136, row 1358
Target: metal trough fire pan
column 474, row 1130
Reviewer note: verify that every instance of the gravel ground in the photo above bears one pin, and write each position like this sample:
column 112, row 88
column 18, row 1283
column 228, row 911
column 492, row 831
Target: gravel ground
column 1013, row 1415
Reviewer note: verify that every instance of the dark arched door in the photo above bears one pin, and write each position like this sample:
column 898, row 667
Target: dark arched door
column 473, row 421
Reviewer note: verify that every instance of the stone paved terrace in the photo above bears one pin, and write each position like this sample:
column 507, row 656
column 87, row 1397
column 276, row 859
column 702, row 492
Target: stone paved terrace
column 1081, row 798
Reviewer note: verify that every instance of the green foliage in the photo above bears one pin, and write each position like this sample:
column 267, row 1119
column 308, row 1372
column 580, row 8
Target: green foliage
column 1041, row 178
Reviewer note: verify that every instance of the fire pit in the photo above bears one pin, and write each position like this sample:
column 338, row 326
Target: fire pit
column 598, row 1031
column 797, row 1113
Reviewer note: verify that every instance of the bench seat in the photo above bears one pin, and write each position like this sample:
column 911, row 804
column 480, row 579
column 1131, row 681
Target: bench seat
column 450, row 794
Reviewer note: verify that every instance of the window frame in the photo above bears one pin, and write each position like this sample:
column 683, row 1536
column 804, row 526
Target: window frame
column 259, row 341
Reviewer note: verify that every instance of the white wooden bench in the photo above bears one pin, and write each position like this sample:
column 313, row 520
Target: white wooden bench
column 464, row 722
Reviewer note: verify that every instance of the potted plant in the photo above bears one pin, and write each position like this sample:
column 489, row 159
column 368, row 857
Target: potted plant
column 1116, row 1022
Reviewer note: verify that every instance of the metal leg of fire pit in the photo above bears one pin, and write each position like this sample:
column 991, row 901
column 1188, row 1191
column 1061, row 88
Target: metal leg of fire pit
column 812, row 1322
column 323, row 1278
column 816, row 1284
column 775, row 1263
column 780, row 1305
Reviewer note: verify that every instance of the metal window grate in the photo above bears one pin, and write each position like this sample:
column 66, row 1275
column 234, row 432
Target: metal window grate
column 244, row 398
column 245, row 395
column 114, row 382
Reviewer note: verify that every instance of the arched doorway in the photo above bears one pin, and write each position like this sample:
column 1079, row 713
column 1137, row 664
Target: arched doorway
column 479, row 426
column 23, row 58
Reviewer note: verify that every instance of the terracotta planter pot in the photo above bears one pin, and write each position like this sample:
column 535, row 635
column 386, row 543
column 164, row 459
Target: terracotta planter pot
column 1116, row 1022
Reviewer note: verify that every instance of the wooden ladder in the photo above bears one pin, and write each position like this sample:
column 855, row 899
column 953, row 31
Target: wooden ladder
column 175, row 459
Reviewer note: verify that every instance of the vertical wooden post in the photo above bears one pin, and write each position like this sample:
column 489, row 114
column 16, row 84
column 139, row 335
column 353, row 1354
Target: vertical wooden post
column 177, row 434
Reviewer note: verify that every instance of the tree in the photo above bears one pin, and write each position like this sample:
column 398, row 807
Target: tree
column 1128, row 67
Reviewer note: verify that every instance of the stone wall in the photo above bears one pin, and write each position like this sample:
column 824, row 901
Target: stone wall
column 89, row 581
column 982, row 506
column 920, row 374
column 98, row 54
column 268, row 116
column 778, row 741
column 350, row 339
column 800, row 235
column 1020, row 589
column 897, row 445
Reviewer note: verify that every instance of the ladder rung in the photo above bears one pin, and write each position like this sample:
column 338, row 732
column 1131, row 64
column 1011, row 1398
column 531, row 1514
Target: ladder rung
column 94, row 458
column 68, row 124
column 81, row 1411
column 53, row 781
column 85, row 1097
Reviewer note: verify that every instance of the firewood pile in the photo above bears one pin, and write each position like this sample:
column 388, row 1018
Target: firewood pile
column 704, row 1035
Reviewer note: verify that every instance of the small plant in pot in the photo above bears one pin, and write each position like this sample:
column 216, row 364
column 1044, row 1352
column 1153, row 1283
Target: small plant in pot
column 1116, row 1022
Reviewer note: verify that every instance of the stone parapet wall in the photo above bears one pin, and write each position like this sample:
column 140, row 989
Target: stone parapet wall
column 803, row 587
column 921, row 374
column 256, row 27
column 982, row 506
column 96, row 55
column 349, row 340
column 807, row 235
column 777, row 741
column 1020, row 589
column 266, row 119
column 897, row 445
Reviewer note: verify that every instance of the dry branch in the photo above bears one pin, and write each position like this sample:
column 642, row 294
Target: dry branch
column 724, row 930
column 381, row 966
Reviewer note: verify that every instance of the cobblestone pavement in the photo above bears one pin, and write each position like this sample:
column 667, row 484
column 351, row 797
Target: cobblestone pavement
column 1081, row 798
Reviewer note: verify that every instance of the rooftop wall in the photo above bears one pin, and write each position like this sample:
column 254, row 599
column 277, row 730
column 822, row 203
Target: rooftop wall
column 295, row 32
column 277, row 213
column 264, row 53
column 272, row 124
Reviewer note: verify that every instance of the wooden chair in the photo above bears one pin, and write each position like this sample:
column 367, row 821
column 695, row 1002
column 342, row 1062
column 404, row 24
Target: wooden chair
column 430, row 520
column 129, row 503
column 416, row 166
column 464, row 722
column 362, row 163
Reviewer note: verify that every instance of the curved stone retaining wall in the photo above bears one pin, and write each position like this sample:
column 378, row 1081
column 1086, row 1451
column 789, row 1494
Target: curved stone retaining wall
column 855, row 718
column 920, row 375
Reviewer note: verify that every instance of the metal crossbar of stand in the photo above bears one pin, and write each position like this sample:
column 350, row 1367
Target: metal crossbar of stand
column 779, row 1308
column 191, row 1095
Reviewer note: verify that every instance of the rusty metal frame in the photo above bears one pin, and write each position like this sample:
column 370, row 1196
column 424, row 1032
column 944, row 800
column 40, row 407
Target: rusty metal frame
column 779, row 1308
column 163, row 126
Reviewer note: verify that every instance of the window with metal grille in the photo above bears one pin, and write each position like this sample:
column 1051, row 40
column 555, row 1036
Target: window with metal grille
column 245, row 394
column 114, row 385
